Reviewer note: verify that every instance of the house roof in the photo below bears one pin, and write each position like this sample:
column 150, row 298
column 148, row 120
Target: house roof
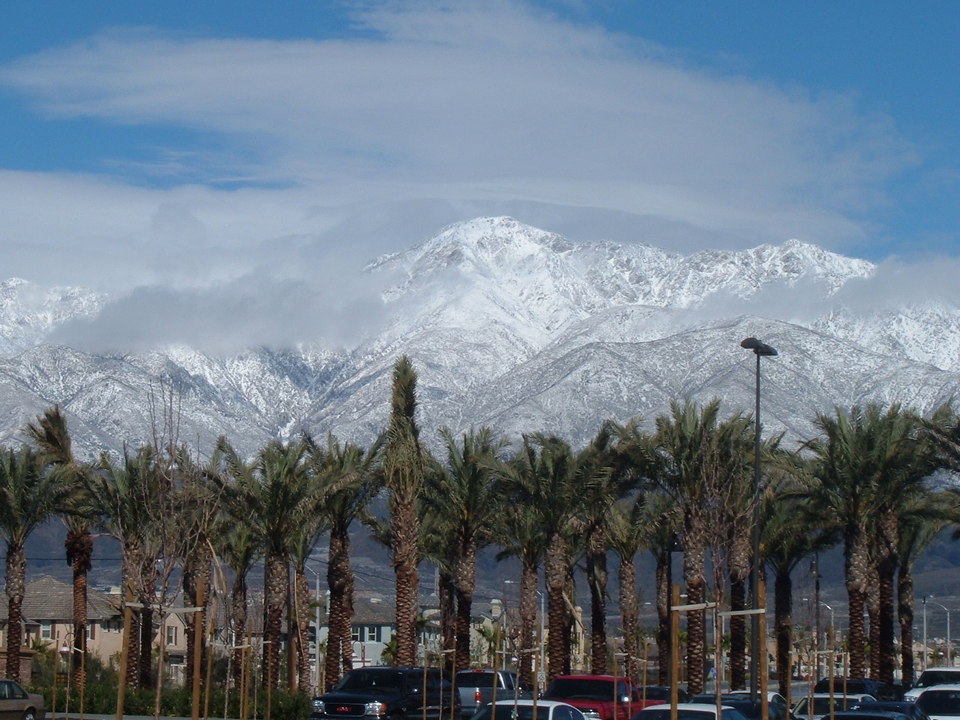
column 49, row 600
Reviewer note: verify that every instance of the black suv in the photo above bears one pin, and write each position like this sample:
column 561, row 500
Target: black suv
column 389, row 692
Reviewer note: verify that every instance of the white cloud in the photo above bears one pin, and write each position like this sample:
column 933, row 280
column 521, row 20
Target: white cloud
column 436, row 112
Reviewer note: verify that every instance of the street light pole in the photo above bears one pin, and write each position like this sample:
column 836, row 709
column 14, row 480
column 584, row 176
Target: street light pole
column 924, row 663
column 947, row 611
column 760, row 350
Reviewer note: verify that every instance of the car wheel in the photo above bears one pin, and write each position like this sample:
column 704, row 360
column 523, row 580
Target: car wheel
column 29, row 714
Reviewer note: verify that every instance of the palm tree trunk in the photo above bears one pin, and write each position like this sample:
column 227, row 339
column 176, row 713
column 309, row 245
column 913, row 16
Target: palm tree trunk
column 302, row 606
column 340, row 585
column 16, row 573
column 886, row 571
column 556, row 581
column 405, row 530
column 528, row 614
column 783, row 622
column 79, row 547
column 465, row 576
column 663, row 572
column 448, row 615
column 277, row 581
column 238, row 620
column 905, row 616
column 695, row 579
column 597, row 582
column 857, row 578
column 629, row 618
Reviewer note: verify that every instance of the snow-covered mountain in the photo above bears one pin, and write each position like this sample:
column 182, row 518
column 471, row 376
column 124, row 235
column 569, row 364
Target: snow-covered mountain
column 513, row 327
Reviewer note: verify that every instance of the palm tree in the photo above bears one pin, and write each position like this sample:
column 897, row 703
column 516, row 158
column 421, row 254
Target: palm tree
column 522, row 536
column 403, row 469
column 545, row 476
column 861, row 461
column 467, row 500
column 611, row 480
column 29, row 495
column 49, row 433
column 272, row 497
column 240, row 549
column 790, row 533
column 352, row 471
column 695, row 457
column 122, row 494
column 627, row 534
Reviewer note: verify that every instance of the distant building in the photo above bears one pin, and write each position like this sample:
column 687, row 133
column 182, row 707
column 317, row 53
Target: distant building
column 48, row 619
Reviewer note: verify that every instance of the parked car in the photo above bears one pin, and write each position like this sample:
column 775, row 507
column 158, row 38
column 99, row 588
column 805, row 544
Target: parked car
column 906, row 707
column 15, row 702
column 598, row 697
column 688, row 711
column 805, row 710
column 523, row 709
column 931, row 677
column 940, row 702
column 869, row 715
column 477, row 688
column 398, row 693
column 860, row 686
column 657, row 694
column 751, row 709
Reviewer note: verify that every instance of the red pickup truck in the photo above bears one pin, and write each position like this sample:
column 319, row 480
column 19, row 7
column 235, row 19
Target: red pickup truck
column 598, row 697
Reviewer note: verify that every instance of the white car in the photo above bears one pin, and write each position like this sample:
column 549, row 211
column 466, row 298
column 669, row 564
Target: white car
column 805, row 710
column 688, row 711
column 931, row 677
column 940, row 702
column 523, row 709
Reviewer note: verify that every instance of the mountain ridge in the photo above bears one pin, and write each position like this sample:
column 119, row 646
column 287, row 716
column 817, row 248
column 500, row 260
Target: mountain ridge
column 511, row 326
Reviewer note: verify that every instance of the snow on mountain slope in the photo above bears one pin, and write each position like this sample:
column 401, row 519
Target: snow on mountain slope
column 514, row 327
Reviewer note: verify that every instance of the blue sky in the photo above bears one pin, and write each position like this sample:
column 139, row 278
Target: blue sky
column 190, row 145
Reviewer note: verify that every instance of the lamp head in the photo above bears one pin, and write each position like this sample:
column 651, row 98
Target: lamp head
column 759, row 348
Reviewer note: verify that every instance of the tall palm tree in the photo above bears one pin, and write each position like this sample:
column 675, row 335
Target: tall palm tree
column 50, row 435
column 861, row 459
column 694, row 462
column 353, row 473
column 271, row 497
column 403, row 469
column 122, row 494
column 465, row 496
column 522, row 536
column 29, row 495
column 627, row 534
column 545, row 476
column 791, row 533
column 612, row 478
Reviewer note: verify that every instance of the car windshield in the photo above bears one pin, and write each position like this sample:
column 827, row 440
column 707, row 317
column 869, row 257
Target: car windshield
column 929, row 678
column 501, row 711
column 582, row 689
column 940, row 702
column 469, row 678
column 821, row 705
column 688, row 714
column 380, row 680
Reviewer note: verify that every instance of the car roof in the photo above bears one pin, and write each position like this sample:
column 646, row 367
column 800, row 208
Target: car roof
column 946, row 686
column 529, row 702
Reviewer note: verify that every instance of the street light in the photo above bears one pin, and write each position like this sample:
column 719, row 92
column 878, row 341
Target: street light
column 947, row 611
column 760, row 350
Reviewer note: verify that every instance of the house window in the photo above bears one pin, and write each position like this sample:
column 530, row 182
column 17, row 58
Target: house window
column 171, row 634
column 91, row 631
column 46, row 631
column 373, row 633
column 356, row 633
